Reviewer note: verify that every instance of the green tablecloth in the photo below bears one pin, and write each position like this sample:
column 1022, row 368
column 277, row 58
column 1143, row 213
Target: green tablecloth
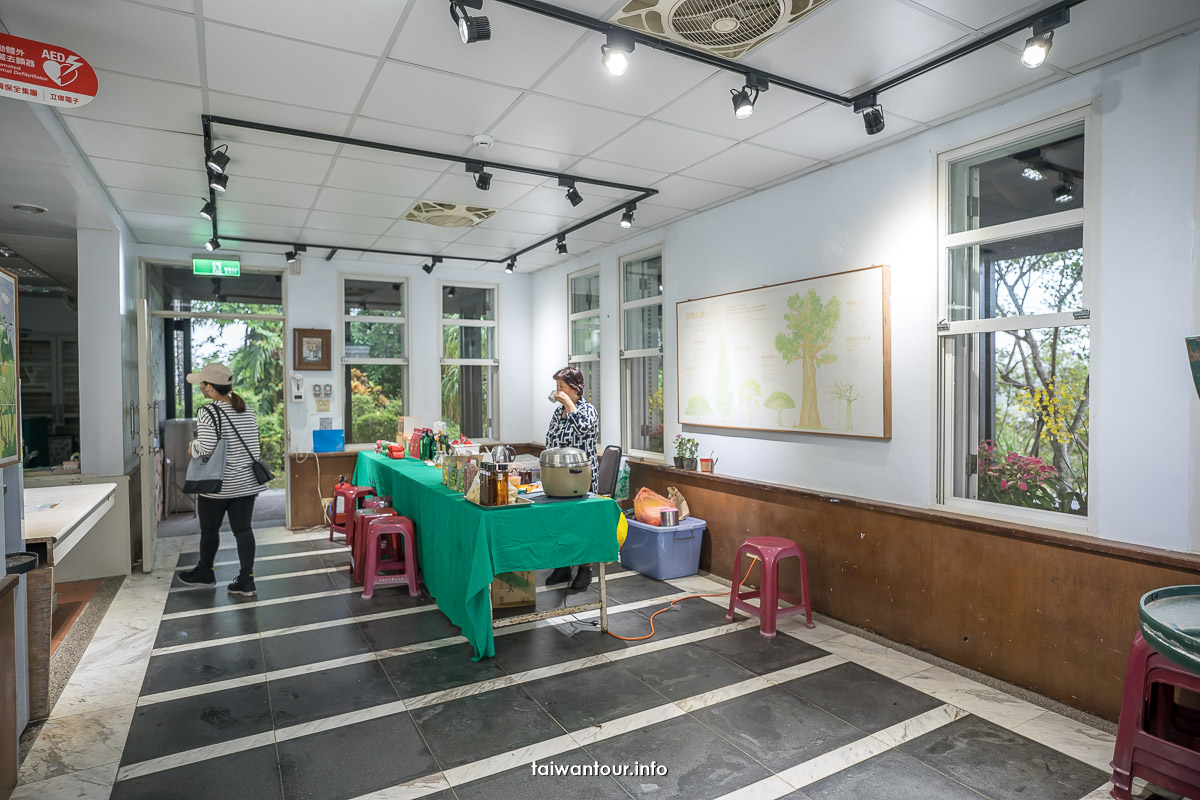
column 461, row 547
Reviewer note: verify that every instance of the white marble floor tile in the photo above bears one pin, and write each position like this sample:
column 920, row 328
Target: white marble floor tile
column 88, row 784
column 258, row 559
column 420, row 787
column 833, row 762
column 421, row 646
column 200, row 612
column 560, row 669
column 458, row 692
column 919, row 725
column 876, row 657
column 506, row 761
column 800, row 670
column 97, row 688
column 119, row 649
column 982, row 701
column 796, row 628
column 767, row 789
column 193, row 756
column 267, row 578
column 1073, row 738
column 203, row 688
column 616, row 727
column 77, row 742
column 711, row 698
column 339, row 721
column 721, row 630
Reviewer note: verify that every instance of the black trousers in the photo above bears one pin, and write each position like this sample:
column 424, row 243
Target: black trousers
column 211, row 511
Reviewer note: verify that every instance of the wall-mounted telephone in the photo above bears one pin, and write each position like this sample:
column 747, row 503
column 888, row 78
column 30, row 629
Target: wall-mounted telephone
column 297, row 387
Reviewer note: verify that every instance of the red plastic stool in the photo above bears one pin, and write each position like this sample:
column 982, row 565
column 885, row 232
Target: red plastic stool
column 769, row 550
column 383, row 550
column 349, row 498
column 1156, row 739
column 358, row 537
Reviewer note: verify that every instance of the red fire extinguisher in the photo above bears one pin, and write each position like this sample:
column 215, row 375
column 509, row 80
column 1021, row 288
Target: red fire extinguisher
column 339, row 500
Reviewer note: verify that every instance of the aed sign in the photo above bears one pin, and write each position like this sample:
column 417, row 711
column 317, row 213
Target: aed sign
column 218, row 268
column 44, row 73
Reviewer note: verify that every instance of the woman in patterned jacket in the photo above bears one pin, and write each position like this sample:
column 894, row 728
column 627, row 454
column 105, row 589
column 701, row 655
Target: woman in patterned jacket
column 575, row 424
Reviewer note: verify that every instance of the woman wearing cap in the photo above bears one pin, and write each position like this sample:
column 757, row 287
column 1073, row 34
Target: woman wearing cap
column 226, row 418
column 575, row 423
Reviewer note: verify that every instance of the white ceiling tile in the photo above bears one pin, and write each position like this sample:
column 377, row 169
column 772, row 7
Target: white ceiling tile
column 679, row 191
column 272, row 193
column 709, row 108
column 748, row 165
column 247, row 63
column 524, row 45
column 366, row 176
column 384, row 258
column 348, row 223
column 524, row 157
column 113, row 35
column 656, row 145
column 881, row 36
column 142, row 145
column 252, row 231
column 494, row 238
column 257, row 161
column 148, row 178
column 542, row 257
column 647, row 215
column 617, row 173
column 829, row 131
column 315, row 236
column 653, row 80
column 968, row 82
column 147, row 236
column 252, row 109
column 365, row 28
column 146, row 103
column 554, row 202
column 154, row 203
column 365, row 203
column 374, row 130
column 425, row 245
column 404, row 93
column 553, row 124
column 420, row 231
column 525, row 222
column 480, row 251
column 458, row 188
column 282, row 216
column 192, row 225
column 980, row 14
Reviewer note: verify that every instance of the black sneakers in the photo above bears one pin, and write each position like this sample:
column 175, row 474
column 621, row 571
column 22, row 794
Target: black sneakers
column 198, row 576
column 560, row 575
column 243, row 585
column 582, row 579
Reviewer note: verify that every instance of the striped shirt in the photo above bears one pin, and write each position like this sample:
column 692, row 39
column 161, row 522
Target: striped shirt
column 238, row 479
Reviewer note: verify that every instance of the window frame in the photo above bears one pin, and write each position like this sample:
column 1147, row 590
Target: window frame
column 627, row 356
column 1088, row 219
column 493, row 363
column 585, row 358
column 346, row 361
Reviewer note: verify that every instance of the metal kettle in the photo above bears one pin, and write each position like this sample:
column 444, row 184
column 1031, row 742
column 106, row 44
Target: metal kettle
column 503, row 454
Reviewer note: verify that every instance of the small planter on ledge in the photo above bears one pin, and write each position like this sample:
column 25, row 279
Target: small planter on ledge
column 690, row 463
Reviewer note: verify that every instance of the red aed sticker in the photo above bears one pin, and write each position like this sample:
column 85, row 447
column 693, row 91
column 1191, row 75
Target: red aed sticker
column 44, row 73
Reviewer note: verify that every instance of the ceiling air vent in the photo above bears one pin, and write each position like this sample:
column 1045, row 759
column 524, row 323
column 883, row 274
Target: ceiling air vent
column 726, row 28
column 448, row 215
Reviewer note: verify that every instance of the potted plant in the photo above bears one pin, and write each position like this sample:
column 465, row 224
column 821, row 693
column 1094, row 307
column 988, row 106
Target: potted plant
column 685, row 451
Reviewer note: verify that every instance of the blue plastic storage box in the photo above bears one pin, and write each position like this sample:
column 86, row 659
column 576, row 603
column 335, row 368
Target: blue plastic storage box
column 664, row 553
column 329, row 440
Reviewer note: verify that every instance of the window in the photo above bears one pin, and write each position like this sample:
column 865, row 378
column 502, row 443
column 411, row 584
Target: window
column 641, row 353
column 1015, row 340
column 469, row 360
column 584, row 334
column 374, row 358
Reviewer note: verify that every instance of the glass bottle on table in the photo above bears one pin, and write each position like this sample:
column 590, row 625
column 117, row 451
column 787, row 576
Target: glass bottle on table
column 501, row 484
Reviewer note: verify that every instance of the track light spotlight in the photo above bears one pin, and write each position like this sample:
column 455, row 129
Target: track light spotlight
column 627, row 217
column 745, row 98
column 290, row 256
column 510, row 266
column 614, row 53
column 561, row 245
column 218, row 159
column 483, row 178
column 572, row 193
column 209, row 210
column 212, row 244
column 1064, row 192
column 872, row 113
column 1033, row 174
column 470, row 29
column 433, row 262
column 218, row 182
column 1037, row 46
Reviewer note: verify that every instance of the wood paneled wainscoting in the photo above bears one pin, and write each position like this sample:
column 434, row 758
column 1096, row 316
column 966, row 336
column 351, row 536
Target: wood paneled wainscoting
column 1049, row 611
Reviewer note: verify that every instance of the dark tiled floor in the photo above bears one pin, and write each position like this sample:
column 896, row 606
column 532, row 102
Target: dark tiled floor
column 722, row 747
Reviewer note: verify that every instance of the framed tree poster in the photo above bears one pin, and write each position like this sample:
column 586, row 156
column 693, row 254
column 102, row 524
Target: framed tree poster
column 810, row 356
column 10, row 389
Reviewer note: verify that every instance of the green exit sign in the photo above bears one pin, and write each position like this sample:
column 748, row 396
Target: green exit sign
column 221, row 268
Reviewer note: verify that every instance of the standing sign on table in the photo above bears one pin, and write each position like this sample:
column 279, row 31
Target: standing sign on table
column 44, row 73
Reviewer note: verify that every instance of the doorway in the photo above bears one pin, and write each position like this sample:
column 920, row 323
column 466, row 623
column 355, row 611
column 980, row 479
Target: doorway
column 195, row 320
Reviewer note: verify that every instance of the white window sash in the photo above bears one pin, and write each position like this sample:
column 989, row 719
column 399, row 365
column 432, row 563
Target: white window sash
column 656, row 300
column 1058, row 320
column 352, row 360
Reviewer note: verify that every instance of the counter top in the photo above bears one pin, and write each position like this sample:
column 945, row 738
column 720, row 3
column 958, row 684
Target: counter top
column 61, row 515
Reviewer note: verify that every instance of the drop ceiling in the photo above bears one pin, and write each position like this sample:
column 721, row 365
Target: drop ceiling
column 395, row 72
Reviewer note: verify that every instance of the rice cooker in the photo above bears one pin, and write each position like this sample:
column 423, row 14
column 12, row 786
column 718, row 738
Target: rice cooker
column 566, row 472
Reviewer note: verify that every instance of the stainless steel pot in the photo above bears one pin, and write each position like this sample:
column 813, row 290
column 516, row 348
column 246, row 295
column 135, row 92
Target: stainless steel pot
column 566, row 472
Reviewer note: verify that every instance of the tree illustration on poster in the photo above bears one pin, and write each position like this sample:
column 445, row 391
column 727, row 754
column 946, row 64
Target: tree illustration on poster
column 10, row 411
column 817, row 350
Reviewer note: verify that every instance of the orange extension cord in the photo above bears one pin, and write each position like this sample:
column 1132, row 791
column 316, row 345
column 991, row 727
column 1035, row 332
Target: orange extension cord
column 669, row 606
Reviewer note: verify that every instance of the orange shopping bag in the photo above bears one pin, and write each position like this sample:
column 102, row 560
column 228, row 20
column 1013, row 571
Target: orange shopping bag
column 648, row 504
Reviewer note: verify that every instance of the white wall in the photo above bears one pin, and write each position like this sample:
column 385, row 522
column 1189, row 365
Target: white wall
column 881, row 209
column 46, row 315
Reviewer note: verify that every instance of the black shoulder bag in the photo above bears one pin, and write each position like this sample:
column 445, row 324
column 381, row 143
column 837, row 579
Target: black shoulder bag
column 262, row 473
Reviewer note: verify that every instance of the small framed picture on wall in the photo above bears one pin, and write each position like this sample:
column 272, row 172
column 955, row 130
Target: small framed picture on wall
column 311, row 349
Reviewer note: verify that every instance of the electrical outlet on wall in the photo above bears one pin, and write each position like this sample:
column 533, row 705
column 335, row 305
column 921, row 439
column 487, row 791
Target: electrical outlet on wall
column 323, row 405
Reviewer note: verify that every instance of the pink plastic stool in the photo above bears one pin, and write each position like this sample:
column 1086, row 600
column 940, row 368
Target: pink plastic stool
column 1156, row 739
column 358, row 537
column 351, row 499
column 769, row 550
column 383, row 550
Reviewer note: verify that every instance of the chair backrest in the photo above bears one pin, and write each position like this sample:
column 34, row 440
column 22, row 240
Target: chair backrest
column 610, row 461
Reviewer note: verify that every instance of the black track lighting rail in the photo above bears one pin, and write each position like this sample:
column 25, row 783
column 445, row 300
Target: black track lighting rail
column 208, row 120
